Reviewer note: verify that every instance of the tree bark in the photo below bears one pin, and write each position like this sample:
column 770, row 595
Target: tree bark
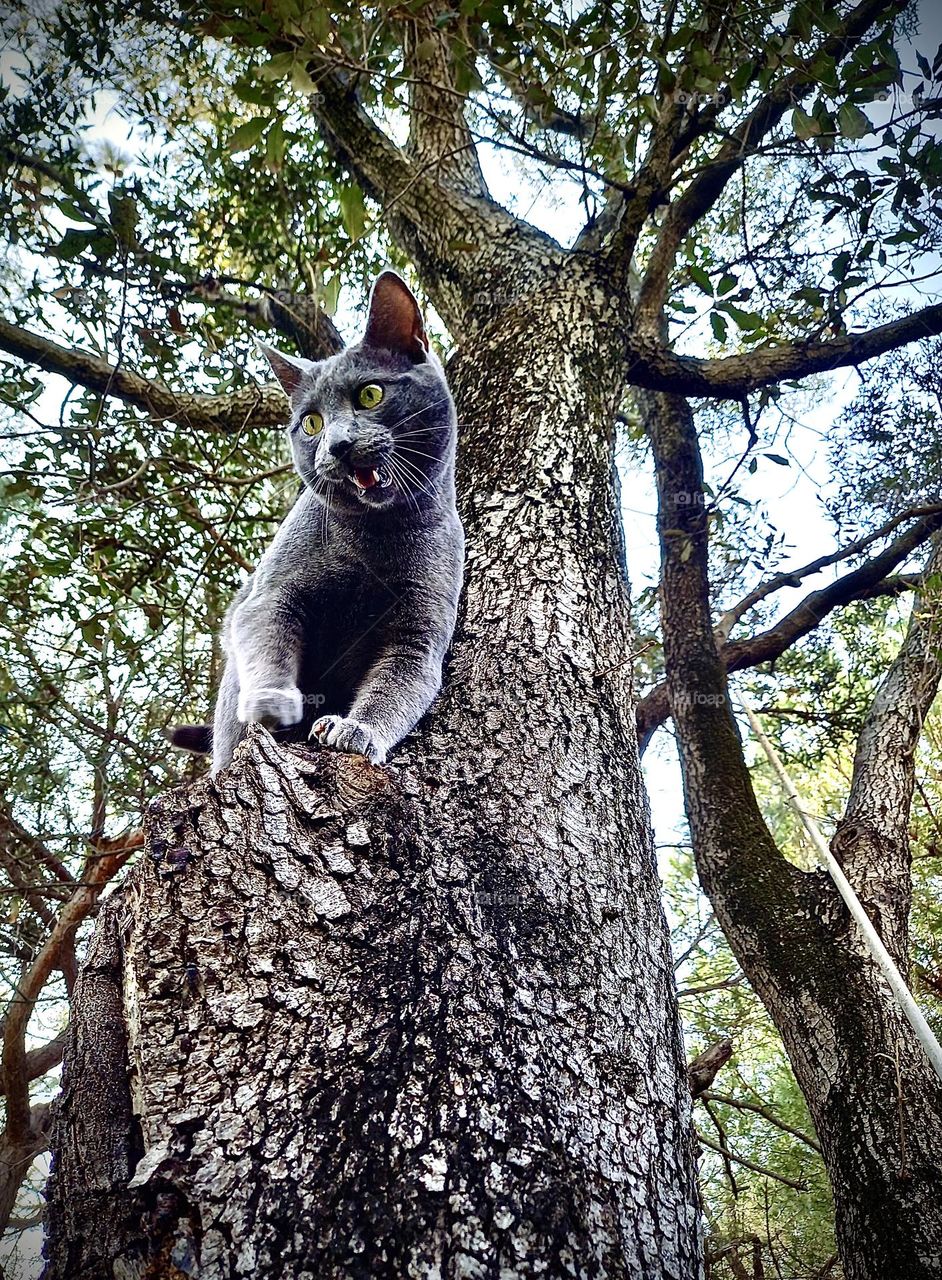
column 874, row 1099
column 415, row 1020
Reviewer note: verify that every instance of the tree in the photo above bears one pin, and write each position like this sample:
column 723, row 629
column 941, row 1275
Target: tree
column 428, row 1010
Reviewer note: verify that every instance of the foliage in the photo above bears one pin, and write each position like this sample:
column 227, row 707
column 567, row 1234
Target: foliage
column 165, row 180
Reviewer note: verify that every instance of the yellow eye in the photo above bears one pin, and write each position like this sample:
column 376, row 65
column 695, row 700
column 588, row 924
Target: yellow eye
column 369, row 396
column 312, row 424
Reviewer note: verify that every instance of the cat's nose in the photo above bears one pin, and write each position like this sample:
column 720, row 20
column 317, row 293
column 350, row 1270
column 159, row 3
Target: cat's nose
column 340, row 446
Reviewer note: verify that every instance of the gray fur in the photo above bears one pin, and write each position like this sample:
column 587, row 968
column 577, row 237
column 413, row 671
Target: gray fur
column 340, row 633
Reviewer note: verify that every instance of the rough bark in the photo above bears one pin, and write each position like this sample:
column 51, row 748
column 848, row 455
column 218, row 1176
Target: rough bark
column 415, row 1020
column 875, row 1101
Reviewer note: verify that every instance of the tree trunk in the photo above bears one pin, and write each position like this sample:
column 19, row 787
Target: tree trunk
column 415, row 1020
column 875, row 1101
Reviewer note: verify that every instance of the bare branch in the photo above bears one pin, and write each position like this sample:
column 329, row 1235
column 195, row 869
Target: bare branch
column 794, row 577
column 763, row 1111
column 751, row 1164
column 703, row 989
column 99, row 869
column 39, row 1062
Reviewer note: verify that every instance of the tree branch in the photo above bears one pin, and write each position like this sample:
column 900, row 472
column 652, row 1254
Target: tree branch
column 751, row 1164
column 705, row 189
column 654, row 708
column 253, row 406
column 653, row 366
column 872, row 839
column 760, row 1110
column 793, row 578
column 99, row 869
column 465, row 247
column 438, row 131
column 38, row 1062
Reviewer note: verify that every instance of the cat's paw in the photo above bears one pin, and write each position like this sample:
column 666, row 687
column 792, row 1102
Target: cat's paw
column 341, row 734
column 271, row 707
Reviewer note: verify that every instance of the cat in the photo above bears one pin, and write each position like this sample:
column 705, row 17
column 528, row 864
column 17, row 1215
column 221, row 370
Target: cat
column 340, row 633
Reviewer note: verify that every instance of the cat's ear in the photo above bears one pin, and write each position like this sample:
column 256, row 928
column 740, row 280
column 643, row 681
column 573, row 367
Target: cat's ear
column 291, row 371
column 395, row 321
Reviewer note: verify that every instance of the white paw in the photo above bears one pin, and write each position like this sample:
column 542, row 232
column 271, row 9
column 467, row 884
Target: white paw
column 341, row 734
column 272, row 707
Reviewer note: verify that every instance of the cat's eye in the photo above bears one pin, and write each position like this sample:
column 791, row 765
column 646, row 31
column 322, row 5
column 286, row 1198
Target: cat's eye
column 369, row 397
column 312, row 424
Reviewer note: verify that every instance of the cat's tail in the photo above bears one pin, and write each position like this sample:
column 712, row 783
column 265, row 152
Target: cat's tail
column 197, row 738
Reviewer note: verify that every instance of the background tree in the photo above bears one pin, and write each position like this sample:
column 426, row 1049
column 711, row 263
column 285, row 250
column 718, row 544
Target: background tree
column 754, row 193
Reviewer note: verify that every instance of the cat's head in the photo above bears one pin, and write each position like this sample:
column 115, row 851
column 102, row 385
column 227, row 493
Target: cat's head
column 373, row 426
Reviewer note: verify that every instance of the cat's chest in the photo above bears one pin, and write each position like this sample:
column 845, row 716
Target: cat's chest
column 343, row 598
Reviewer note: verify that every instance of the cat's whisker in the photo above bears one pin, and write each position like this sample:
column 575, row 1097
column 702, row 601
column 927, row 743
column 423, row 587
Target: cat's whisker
column 403, row 483
column 400, row 474
column 326, row 518
column 420, row 453
column 418, row 432
column 422, row 409
column 418, row 477
column 418, row 480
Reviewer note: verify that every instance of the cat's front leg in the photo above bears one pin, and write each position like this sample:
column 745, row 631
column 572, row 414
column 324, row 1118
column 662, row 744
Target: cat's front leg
column 266, row 647
column 397, row 691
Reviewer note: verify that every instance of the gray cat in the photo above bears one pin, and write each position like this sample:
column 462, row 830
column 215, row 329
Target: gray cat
column 340, row 633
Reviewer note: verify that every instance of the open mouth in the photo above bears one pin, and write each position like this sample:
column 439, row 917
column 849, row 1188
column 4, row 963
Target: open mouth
column 370, row 477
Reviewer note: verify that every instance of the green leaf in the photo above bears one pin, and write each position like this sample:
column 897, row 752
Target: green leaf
column 275, row 146
column 778, row 459
column 260, row 95
column 123, row 216
column 319, row 22
column 301, row 81
column 719, row 326
column 748, row 320
column 277, row 68
column 839, row 265
column 246, row 136
column 72, row 244
column 803, row 125
column 352, row 210
column 700, row 278
column 330, row 295
column 852, row 123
